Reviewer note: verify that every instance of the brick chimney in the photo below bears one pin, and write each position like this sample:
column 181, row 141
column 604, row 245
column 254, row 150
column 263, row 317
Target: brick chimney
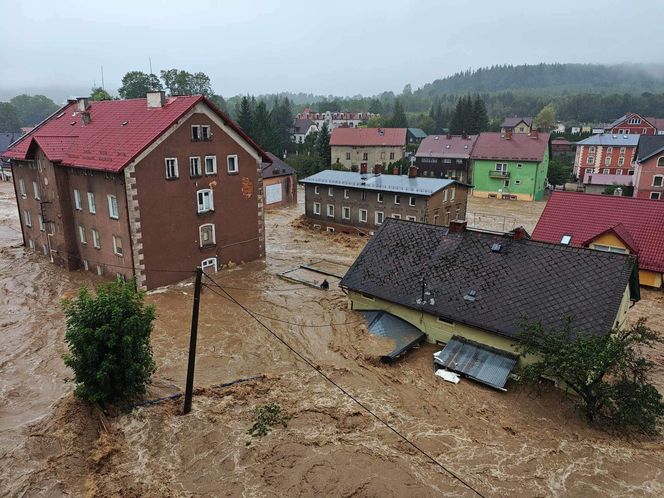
column 458, row 226
column 378, row 169
column 508, row 134
column 519, row 233
column 156, row 99
column 363, row 168
column 412, row 172
column 81, row 104
column 395, row 170
column 533, row 134
column 85, row 116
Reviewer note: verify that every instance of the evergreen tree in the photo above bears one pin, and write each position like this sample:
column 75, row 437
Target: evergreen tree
column 245, row 116
column 480, row 118
column 399, row 119
column 323, row 146
column 264, row 132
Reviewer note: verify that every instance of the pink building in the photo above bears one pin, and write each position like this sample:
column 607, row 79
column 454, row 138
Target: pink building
column 650, row 168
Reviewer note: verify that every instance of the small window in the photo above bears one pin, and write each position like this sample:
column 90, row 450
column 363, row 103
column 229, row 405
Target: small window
column 196, row 133
column 31, row 244
column 396, row 216
column 92, row 205
column 330, row 210
column 609, row 150
column 205, row 133
column 411, row 201
column 209, row 263
column 316, row 190
column 35, row 189
column 365, row 156
column 445, row 195
column 660, row 161
column 77, row 200
column 117, row 245
column 207, row 235
column 329, row 229
column 86, row 265
column 42, row 226
column 330, row 191
column 113, row 207
column 347, row 156
column 657, row 181
column 233, row 164
column 345, row 213
column 436, row 219
column 316, row 207
column 379, row 197
column 363, row 216
column 591, row 160
column 205, row 201
column 82, row 235
column 412, row 218
column 380, row 217
column 397, row 199
column 172, row 168
column 364, row 195
column 655, row 195
column 27, row 218
column 21, row 188
column 607, row 161
column 606, row 171
column 100, row 270
column 621, row 161
column 210, row 165
column 622, row 150
column 619, row 172
column 194, row 166
column 566, row 239
column 96, row 239
column 446, row 321
column 391, row 155
column 517, row 182
column 519, row 165
column 346, row 193
column 591, row 148
column 453, row 193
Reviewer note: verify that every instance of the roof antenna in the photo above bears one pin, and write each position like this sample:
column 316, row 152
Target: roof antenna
column 150, row 61
column 102, row 78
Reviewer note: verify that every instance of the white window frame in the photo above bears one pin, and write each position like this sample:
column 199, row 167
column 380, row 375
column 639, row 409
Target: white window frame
column 397, row 199
column 330, row 191
column 379, row 197
column 27, row 218
column 115, row 246
column 172, row 170
column 412, row 218
column 445, row 195
column 362, row 216
column 82, row 236
column 566, row 239
column 100, row 270
column 42, row 225
column 411, row 201
column 396, row 216
column 655, row 196
column 213, row 163
column 35, row 189
column 453, row 193
column 195, row 166
column 96, row 238
column 317, row 208
column 346, row 194
column 330, row 210
column 86, row 265
column 201, row 196
column 92, row 204
column 78, row 203
column 660, row 161
column 236, row 164
column 113, row 211
column 590, row 160
column 21, row 188
column 345, row 213
column 661, row 181
column 200, row 235
column 382, row 216
column 206, row 133
column 208, row 262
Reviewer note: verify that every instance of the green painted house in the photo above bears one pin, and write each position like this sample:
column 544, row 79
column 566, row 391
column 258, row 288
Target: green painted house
column 510, row 165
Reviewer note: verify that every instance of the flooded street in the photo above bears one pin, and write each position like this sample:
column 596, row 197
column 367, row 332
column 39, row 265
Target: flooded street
column 503, row 444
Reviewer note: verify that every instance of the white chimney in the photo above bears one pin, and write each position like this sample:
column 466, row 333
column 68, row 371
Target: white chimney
column 156, row 99
column 81, row 104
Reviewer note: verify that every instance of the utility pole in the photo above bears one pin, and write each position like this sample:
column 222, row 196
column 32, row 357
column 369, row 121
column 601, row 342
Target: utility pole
column 192, row 342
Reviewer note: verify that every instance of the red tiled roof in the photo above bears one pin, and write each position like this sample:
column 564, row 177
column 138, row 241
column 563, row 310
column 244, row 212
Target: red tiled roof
column 119, row 130
column 362, row 137
column 454, row 147
column 638, row 222
column 521, row 147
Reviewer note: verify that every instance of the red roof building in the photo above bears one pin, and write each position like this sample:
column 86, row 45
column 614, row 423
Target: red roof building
column 149, row 188
column 358, row 148
column 608, row 223
column 633, row 124
column 446, row 156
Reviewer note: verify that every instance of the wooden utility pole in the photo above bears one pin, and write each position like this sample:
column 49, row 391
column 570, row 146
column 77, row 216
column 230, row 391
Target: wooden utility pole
column 192, row 342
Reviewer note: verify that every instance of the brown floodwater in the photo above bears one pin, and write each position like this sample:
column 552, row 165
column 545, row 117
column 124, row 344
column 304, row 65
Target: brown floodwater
column 519, row 443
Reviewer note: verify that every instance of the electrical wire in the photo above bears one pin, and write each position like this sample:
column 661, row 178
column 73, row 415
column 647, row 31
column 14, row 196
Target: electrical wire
column 345, row 392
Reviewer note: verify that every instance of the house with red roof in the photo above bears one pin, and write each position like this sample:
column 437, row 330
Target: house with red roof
column 446, row 156
column 634, row 124
column 650, row 168
column 148, row 188
column 608, row 223
column 511, row 166
column 365, row 148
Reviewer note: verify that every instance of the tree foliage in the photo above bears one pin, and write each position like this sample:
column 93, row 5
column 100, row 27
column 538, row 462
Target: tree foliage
column 608, row 372
column 560, row 170
column 398, row 119
column 135, row 84
column 98, row 93
column 32, row 109
column 323, row 145
column 108, row 336
column 8, row 118
column 179, row 82
column 546, row 118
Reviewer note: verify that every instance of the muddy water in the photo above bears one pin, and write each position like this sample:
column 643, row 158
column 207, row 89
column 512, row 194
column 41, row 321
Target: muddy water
column 514, row 443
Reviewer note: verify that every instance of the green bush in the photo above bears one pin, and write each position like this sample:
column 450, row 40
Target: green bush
column 266, row 417
column 108, row 336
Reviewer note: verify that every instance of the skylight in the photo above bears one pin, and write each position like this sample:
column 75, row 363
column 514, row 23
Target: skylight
column 566, row 239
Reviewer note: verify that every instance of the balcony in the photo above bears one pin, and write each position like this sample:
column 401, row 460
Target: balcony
column 499, row 174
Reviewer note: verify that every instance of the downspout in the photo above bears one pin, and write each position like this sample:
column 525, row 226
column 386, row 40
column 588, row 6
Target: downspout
column 20, row 218
column 131, row 239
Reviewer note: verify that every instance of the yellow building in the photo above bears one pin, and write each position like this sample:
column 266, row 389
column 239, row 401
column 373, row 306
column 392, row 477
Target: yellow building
column 480, row 287
column 364, row 148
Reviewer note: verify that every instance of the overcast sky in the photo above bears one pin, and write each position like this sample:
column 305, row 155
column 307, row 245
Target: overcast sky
column 336, row 47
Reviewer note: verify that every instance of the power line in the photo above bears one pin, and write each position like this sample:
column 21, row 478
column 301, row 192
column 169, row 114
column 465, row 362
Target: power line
column 346, row 393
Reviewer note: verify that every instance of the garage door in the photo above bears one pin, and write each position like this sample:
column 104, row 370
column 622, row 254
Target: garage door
column 273, row 193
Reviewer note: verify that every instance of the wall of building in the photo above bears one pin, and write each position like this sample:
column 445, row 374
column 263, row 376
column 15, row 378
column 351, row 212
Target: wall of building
column 374, row 155
column 612, row 160
column 288, row 190
column 625, row 128
column 646, row 173
column 166, row 229
column 530, row 175
column 439, row 167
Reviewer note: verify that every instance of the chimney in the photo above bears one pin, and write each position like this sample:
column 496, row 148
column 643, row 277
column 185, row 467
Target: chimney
column 363, row 168
column 519, row 233
column 156, row 99
column 457, row 226
column 85, row 115
column 395, row 170
column 412, row 172
column 464, row 135
column 533, row 134
column 378, row 169
column 448, row 136
column 508, row 134
column 81, row 104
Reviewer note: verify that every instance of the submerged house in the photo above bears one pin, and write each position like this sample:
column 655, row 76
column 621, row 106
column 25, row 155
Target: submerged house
column 471, row 289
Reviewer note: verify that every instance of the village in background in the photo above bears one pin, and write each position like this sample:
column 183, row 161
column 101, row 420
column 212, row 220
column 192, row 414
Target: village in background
column 362, row 265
